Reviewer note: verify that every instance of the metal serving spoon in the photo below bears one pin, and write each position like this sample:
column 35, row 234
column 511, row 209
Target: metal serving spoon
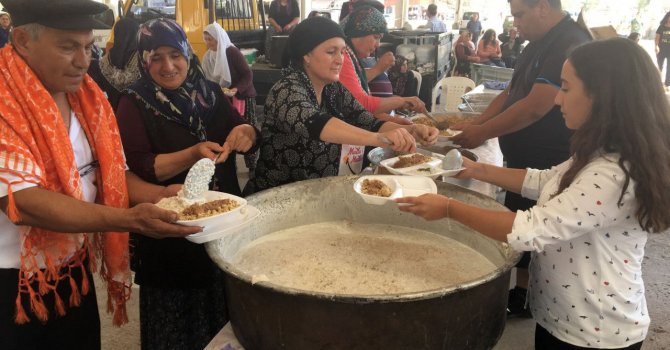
column 452, row 160
column 198, row 178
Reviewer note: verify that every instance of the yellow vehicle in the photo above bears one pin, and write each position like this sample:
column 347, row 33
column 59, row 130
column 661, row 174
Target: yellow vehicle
column 244, row 20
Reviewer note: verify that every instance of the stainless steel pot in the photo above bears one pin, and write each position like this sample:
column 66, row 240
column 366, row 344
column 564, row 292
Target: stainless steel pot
column 265, row 316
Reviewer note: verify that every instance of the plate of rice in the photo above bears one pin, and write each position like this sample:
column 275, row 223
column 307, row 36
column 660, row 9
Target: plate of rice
column 214, row 208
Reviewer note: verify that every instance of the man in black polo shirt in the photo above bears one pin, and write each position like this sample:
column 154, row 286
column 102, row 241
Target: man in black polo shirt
column 530, row 126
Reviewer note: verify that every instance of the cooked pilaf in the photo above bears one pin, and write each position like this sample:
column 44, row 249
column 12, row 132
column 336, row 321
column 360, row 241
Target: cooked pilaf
column 197, row 211
column 375, row 188
column 411, row 160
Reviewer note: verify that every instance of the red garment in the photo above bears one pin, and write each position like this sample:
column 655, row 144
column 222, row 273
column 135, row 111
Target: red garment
column 350, row 80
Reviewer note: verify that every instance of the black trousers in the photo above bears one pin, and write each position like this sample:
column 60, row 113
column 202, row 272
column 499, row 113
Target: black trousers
column 78, row 329
column 545, row 341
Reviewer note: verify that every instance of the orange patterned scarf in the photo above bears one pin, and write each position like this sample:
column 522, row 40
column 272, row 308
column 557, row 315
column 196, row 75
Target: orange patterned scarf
column 33, row 136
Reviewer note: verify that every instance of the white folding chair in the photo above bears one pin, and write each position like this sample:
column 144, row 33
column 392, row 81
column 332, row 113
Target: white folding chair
column 450, row 89
column 418, row 77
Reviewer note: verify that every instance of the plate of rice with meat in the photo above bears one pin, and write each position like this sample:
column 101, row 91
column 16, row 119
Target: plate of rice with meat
column 214, row 208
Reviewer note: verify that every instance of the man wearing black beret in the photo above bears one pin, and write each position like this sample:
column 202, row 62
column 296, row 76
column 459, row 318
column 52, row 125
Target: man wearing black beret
column 64, row 187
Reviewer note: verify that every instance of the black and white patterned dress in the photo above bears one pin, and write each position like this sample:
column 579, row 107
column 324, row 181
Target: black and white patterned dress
column 290, row 149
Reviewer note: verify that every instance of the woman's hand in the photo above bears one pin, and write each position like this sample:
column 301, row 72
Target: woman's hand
column 471, row 168
column 240, row 139
column 278, row 29
column 426, row 135
column 207, row 149
column 428, row 206
column 400, row 140
column 386, row 61
column 414, row 103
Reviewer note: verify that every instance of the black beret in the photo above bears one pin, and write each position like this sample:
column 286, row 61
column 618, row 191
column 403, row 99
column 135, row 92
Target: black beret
column 307, row 35
column 58, row 14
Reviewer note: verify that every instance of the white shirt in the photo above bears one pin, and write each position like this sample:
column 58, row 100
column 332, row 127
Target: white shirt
column 10, row 245
column 586, row 286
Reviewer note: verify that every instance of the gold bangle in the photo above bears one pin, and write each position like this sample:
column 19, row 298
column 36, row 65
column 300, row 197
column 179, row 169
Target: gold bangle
column 448, row 204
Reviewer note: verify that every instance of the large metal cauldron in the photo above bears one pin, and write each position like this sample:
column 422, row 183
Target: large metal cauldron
column 265, row 316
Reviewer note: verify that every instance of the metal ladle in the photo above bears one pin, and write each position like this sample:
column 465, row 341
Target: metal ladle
column 198, row 178
column 452, row 160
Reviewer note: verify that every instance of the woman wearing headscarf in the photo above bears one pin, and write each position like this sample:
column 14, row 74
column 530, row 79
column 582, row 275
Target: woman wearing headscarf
column 402, row 79
column 224, row 64
column 118, row 69
column 363, row 29
column 169, row 119
column 310, row 115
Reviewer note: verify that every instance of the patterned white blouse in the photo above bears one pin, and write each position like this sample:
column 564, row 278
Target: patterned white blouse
column 586, row 286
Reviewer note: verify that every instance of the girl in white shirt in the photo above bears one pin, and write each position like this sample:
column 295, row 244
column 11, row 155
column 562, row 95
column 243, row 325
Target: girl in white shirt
column 594, row 212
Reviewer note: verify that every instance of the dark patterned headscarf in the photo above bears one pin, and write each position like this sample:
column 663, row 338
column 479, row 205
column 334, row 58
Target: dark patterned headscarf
column 365, row 20
column 192, row 103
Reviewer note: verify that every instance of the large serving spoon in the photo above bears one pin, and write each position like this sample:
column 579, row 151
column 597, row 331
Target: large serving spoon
column 452, row 160
column 198, row 178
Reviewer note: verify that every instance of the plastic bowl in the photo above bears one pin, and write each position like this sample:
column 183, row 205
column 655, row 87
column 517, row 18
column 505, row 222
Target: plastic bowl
column 396, row 191
column 228, row 217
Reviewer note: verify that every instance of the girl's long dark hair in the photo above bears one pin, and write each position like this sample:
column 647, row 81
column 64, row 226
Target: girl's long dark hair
column 631, row 117
column 489, row 37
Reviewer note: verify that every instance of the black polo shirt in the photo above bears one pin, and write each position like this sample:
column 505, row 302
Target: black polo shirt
column 547, row 141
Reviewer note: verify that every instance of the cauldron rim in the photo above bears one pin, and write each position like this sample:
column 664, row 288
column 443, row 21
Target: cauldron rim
column 371, row 298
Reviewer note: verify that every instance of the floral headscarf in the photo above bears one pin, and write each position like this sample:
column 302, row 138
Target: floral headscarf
column 365, row 20
column 192, row 103
column 119, row 66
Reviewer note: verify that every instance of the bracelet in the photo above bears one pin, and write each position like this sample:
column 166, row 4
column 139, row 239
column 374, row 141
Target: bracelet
column 448, row 204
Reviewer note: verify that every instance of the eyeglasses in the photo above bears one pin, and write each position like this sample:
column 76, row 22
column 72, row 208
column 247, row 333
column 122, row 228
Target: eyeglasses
column 88, row 168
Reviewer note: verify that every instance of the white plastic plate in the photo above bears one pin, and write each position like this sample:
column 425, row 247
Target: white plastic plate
column 408, row 186
column 432, row 169
column 388, row 164
column 390, row 181
column 247, row 214
column 447, row 139
column 413, row 186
